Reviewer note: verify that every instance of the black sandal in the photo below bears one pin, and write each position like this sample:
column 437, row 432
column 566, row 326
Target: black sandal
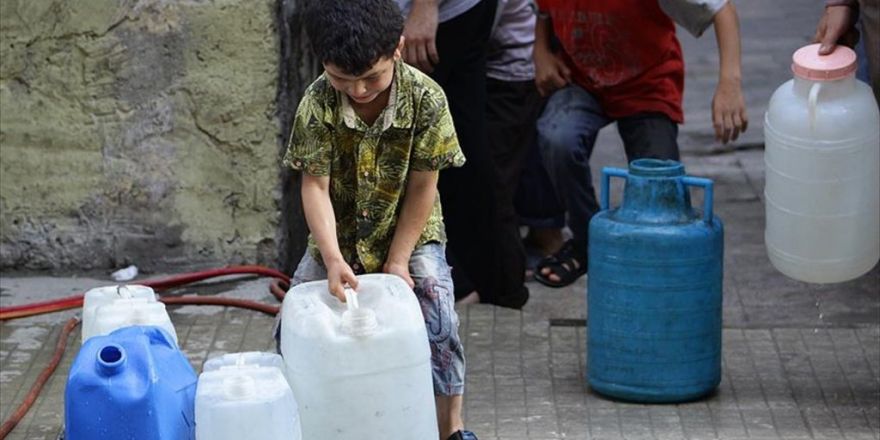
column 568, row 264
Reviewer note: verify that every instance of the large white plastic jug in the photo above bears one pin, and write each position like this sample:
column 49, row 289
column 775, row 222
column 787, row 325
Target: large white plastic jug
column 102, row 296
column 359, row 370
column 822, row 194
column 245, row 396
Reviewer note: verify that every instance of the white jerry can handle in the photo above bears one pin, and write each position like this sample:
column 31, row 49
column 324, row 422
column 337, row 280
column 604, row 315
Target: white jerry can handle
column 357, row 321
column 123, row 291
column 812, row 101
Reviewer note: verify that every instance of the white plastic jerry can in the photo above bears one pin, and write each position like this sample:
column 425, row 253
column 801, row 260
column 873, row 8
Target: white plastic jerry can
column 822, row 157
column 245, row 396
column 111, row 307
column 247, row 358
column 359, row 369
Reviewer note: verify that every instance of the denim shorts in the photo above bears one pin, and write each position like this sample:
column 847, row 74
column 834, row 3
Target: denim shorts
column 434, row 289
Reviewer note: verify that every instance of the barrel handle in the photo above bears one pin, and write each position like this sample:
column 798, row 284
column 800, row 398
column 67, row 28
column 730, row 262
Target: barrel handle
column 607, row 174
column 707, row 186
column 811, row 103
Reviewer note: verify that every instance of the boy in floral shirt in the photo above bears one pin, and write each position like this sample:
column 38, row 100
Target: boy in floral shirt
column 370, row 136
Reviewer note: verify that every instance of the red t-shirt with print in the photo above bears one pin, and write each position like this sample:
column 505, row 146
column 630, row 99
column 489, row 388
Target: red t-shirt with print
column 624, row 52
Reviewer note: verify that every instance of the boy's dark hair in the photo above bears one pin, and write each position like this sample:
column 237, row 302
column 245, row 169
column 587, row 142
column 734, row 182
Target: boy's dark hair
column 353, row 34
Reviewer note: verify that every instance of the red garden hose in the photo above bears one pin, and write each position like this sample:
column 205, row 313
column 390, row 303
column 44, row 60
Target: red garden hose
column 220, row 301
column 277, row 287
column 72, row 302
column 44, row 376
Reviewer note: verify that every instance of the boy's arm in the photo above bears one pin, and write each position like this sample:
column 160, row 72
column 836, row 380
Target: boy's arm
column 728, row 105
column 322, row 223
column 551, row 73
column 420, row 34
column 421, row 192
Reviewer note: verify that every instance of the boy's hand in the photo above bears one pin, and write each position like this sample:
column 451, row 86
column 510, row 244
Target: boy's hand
column 551, row 73
column 420, row 33
column 339, row 274
column 729, row 111
column 400, row 269
column 837, row 25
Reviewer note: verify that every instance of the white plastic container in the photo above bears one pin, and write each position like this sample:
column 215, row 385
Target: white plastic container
column 247, row 358
column 102, row 296
column 245, row 396
column 822, row 193
column 359, row 370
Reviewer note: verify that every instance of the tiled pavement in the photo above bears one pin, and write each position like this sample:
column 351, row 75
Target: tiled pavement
column 802, row 380
column 800, row 361
column 526, row 381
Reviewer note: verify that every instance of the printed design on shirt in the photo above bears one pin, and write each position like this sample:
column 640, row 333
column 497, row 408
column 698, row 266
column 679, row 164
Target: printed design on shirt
column 600, row 46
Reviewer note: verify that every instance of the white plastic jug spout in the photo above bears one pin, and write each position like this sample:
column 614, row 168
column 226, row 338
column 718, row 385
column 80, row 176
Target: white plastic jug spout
column 356, row 321
column 241, row 362
column 239, row 387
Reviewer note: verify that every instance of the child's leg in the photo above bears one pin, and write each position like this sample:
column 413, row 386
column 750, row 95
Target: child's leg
column 433, row 287
column 467, row 199
column 511, row 113
column 308, row 270
column 538, row 208
column 649, row 135
column 567, row 133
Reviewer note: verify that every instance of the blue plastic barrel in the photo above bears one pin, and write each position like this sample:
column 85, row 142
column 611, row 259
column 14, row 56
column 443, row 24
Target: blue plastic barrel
column 133, row 384
column 654, row 289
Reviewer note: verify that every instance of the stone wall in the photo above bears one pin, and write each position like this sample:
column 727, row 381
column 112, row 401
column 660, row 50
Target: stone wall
column 141, row 131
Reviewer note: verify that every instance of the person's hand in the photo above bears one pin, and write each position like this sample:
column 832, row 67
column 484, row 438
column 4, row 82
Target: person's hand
column 551, row 73
column 420, row 33
column 837, row 26
column 729, row 111
column 400, row 269
column 339, row 274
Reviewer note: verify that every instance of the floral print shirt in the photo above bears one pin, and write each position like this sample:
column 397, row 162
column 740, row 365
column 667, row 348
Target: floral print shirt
column 368, row 165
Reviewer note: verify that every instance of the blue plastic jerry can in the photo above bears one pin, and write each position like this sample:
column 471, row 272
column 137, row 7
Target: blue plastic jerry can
column 655, row 288
column 132, row 384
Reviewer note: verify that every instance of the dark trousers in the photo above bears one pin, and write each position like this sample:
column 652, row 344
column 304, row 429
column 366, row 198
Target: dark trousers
column 512, row 111
column 567, row 132
column 535, row 202
column 467, row 193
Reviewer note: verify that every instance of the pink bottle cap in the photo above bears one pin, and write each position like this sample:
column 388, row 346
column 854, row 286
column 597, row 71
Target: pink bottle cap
column 808, row 64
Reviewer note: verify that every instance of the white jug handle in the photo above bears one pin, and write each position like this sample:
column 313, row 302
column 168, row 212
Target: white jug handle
column 811, row 101
column 123, row 291
column 351, row 299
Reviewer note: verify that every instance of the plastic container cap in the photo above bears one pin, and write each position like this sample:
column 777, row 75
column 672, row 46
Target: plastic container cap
column 808, row 64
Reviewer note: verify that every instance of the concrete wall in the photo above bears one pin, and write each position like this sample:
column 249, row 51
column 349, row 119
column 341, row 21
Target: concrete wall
column 140, row 131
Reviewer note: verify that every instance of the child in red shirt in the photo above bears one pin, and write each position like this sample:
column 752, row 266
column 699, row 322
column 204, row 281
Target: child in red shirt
column 620, row 61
